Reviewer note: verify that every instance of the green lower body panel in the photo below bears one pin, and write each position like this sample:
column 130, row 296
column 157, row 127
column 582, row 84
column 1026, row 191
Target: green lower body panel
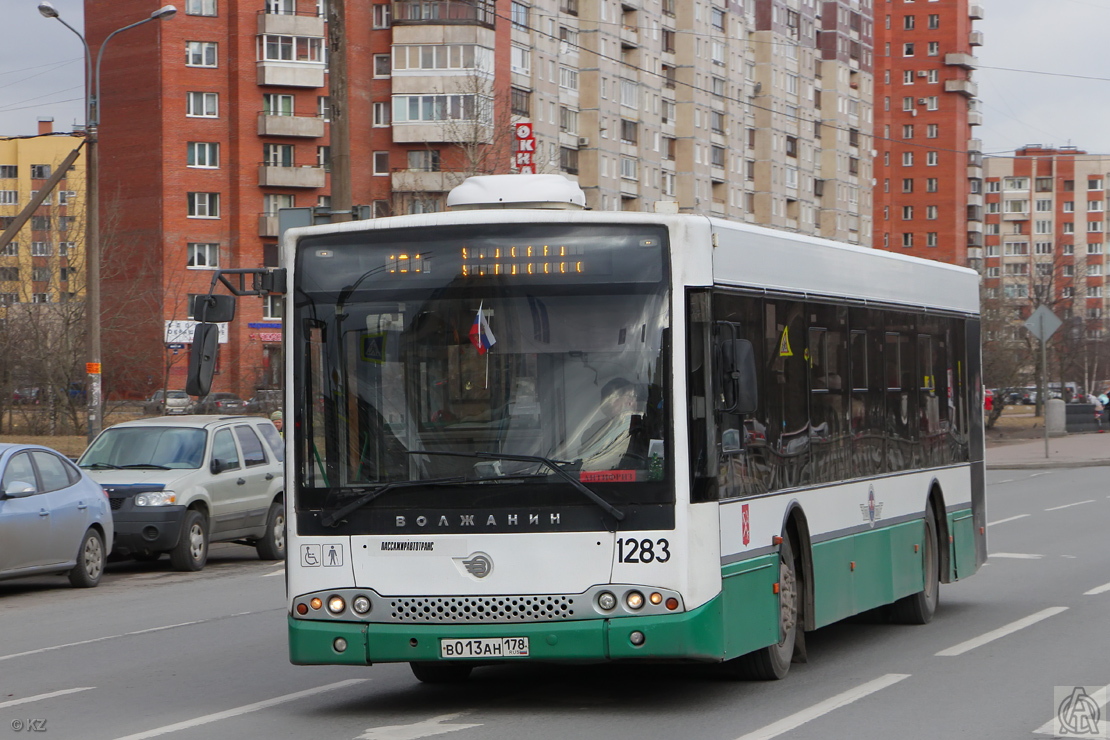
column 961, row 525
column 694, row 635
column 751, row 606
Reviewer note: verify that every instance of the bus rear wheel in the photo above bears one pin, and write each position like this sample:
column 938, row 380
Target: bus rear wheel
column 773, row 662
column 441, row 672
column 919, row 608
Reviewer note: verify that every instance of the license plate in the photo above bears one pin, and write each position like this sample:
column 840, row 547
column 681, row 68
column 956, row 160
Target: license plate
column 484, row 647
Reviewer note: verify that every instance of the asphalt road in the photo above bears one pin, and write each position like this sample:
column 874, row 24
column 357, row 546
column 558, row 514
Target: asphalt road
column 153, row 653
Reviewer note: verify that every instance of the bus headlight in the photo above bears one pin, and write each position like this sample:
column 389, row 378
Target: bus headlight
column 634, row 600
column 336, row 604
column 607, row 601
column 361, row 605
column 156, row 498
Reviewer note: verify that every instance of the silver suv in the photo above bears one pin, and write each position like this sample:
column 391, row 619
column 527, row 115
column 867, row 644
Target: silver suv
column 176, row 485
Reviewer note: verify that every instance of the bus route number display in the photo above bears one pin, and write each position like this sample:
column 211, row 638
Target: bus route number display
column 484, row 647
column 541, row 259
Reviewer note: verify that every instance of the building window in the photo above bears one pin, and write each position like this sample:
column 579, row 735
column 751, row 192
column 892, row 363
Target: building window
column 381, row 114
column 281, row 7
column 9, row 171
column 907, row 159
column 419, row 108
column 907, row 50
column 519, row 15
column 568, row 78
column 323, row 107
column 323, row 158
column 520, row 60
column 69, row 197
column 9, row 197
column 40, row 223
column 381, row 163
column 306, row 49
column 629, row 132
column 271, row 307
column 424, row 160
column 907, row 240
column 1093, row 183
column 907, row 184
column 907, row 213
column 382, row 65
column 203, row 154
column 200, row 7
column 931, row 213
column 907, row 131
column 908, row 22
column 931, row 102
column 630, row 168
column 273, row 202
column 520, row 102
column 568, row 160
column 200, row 54
column 931, row 185
column 668, row 41
column 202, row 104
column 203, row 255
column 383, row 18
column 274, row 104
column 932, row 158
column 41, row 249
column 40, row 298
column 277, row 155
column 40, row 171
column 11, row 249
column 204, row 205
column 934, row 48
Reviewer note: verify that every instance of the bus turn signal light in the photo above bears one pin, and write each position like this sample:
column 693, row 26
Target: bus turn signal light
column 302, row 609
column 316, row 602
column 672, row 603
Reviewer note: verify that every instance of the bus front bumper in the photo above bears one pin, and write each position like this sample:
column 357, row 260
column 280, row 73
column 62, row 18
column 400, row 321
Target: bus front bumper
column 695, row 635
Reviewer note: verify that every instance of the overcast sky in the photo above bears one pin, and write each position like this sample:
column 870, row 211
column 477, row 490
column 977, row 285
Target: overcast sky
column 1064, row 40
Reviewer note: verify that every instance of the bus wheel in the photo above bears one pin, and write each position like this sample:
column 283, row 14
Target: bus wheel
column 441, row 672
column 919, row 608
column 772, row 662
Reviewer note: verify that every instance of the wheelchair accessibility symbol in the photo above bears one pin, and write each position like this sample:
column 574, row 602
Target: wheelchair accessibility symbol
column 310, row 556
column 315, row 556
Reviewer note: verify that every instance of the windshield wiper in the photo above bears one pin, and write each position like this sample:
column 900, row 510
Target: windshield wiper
column 331, row 519
column 101, row 466
column 144, row 465
column 554, row 466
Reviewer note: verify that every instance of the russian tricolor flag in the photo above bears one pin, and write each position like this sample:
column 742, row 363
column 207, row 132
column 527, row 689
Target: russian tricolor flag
column 480, row 334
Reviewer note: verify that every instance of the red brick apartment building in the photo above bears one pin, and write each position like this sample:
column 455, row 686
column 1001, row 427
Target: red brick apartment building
column 1046, row 223
column 928, row 168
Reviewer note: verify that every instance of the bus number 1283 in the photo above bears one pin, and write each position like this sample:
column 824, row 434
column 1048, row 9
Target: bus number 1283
column 631, row 550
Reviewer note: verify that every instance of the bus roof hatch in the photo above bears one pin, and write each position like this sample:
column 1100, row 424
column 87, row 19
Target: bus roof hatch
column 516, row 191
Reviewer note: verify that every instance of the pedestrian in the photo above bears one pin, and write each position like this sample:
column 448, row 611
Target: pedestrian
column 278, row 422
column 988, row 402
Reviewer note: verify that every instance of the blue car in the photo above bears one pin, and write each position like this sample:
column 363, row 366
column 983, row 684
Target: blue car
column 53, row 517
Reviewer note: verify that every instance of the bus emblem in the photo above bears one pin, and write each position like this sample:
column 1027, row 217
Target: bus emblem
column 745, row 524
column 478, row 565
column 872, row 510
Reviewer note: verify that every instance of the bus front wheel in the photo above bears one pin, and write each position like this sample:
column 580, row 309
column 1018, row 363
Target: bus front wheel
column 441, row 672
column 773, row 662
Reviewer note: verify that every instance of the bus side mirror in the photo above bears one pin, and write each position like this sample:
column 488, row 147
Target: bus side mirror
column 214, row 309
column 202, row 360
column 737, row 376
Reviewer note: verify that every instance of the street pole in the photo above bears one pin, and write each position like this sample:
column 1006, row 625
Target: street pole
column 338, row 97
column 93, row 385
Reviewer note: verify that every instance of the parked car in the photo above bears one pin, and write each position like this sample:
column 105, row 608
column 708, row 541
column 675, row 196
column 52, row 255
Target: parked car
column 25, row 396
column 220, row 403
column 169, row 403
column 264, row 402
column 53, row 517
column 176, row 486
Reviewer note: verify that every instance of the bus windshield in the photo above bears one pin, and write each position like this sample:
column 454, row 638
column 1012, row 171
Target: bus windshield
column 427, row 354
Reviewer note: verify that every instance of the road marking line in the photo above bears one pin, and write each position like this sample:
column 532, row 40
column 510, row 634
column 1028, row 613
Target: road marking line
column 1010, row 519
column 1068, row 506
column 1099, row 697
column 245, row 709
column 1100, row 590
column 40, row 697
column 786, row 724
column 427, row 728
column 275, row 573
column 993, row 635
column 116, row 637
column 1015, row 555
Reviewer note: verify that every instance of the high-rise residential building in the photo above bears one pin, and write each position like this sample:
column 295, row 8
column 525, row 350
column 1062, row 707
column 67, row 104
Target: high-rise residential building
column 928, row 167
column 44, row 263
column 211, row 123
column 1046, row 224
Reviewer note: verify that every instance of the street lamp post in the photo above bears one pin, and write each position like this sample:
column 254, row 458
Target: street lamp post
column 92, row 205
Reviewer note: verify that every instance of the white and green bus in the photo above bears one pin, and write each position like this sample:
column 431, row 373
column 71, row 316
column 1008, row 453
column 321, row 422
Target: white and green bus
column 524, row 431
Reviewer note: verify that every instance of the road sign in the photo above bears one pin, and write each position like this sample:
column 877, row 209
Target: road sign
column 1042, row 323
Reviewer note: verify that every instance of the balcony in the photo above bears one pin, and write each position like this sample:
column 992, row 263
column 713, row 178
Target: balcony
column 959, row 59
column 975, row 239
column 975, row 38
column 422, row 181
column 630, row 37
column 290, row 24
column 267, row 224
column 305, row 176
column 305, row 126
column 974, row 118
column 963, row 87
column 291, row 74
column 975, row 11
column 444, row 13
